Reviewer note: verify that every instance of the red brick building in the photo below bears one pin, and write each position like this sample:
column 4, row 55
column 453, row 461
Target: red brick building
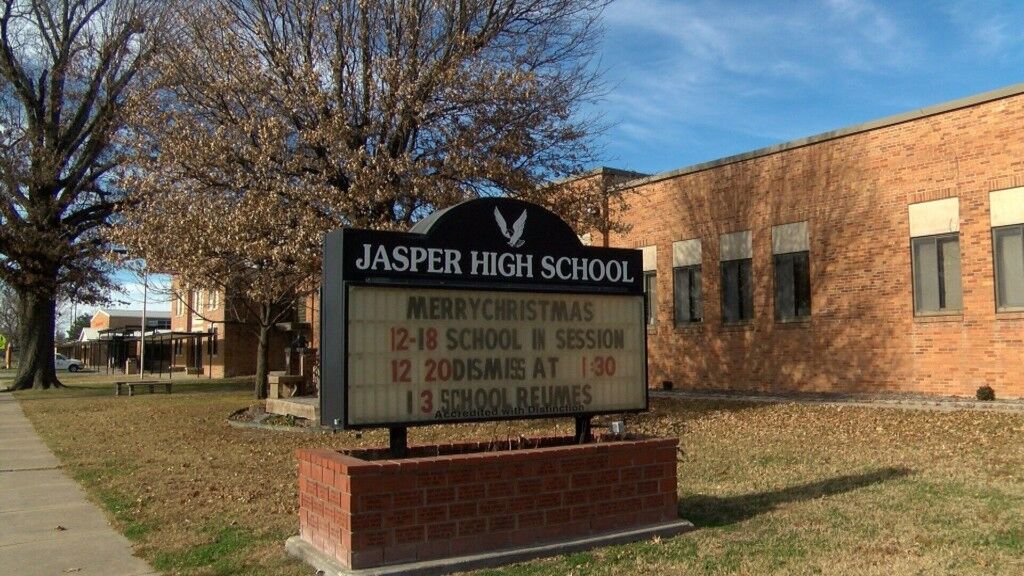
column 132, row 319
column 228, row 347
column 112, row 339
column 884, row 257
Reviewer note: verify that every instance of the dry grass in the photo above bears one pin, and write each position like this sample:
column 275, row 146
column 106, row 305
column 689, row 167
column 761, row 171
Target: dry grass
column 773, row 489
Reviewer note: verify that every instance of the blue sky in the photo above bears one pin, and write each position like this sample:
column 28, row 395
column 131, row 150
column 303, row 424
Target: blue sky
column 129, row 297
column 695, row 81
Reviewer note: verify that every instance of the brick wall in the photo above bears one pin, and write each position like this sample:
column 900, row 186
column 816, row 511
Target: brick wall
column 375, row 512
column 236, row 342
column 99, row 321
column 180, row 323
column 197, row 316
column 239, row 350
column 854, row 192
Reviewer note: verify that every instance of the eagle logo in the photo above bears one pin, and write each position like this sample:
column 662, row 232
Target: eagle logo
column 514, row 233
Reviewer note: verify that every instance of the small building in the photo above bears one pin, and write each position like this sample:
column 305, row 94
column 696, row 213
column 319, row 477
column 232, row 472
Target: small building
column 119, row 319
column 112, row 339
column 882, row 257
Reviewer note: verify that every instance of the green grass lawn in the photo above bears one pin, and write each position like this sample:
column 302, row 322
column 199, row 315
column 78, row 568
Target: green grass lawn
column 772, row 488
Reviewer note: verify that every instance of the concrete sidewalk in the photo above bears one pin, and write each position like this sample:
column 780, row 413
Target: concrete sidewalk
column 36, row 497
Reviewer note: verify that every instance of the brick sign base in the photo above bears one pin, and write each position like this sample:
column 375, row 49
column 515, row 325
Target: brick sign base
column 462, row 506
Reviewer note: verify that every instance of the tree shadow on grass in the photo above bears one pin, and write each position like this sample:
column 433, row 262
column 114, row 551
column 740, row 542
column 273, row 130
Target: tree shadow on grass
column 714, row 511
column 77, row 390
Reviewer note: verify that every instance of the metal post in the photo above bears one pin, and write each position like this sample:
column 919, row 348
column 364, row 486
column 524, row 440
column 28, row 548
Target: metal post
column 582, row 429
column 399, row 441
column 142, row 337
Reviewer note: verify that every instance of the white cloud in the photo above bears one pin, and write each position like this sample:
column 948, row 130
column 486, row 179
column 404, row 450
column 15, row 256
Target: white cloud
column 989, row 29
column 674, row 65
column 131, row 294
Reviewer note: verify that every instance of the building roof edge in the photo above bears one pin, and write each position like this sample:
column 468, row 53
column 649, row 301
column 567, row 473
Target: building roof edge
column 966, row 102
column 599, row 171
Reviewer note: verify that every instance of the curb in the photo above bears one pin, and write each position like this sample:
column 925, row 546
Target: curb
column 937, row 404
column 328, row 566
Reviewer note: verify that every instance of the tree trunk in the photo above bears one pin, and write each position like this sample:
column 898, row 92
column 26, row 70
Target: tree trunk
column 262, row 353
column 35, row 359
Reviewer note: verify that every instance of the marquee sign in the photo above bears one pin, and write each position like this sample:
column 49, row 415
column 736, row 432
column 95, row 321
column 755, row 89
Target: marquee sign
column 489, row 310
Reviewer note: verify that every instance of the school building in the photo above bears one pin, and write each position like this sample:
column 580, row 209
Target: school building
column 204, row 334
column 112, row 339
column 213, row 334
column 883, row 257
column 886, row 257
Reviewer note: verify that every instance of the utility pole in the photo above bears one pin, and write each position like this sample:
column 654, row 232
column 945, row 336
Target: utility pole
column 142, row 335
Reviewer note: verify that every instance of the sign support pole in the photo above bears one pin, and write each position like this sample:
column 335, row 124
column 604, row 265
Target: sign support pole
column 582, row 429
column 399, row 441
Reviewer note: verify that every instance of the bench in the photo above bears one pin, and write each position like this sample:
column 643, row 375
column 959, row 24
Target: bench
column 131, row 386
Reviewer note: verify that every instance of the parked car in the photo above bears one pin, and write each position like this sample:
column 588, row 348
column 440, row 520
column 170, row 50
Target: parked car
column 62, row 362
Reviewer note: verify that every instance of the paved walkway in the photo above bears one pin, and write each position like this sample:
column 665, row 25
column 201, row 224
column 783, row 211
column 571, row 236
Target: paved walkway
column 36, row 497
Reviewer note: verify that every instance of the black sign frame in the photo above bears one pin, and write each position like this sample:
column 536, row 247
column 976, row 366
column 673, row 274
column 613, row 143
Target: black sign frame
column 535, row 235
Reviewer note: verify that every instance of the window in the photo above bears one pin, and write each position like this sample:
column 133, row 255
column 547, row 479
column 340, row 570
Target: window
column 650, row 264
column 737, row 291
column 689, row 306
column 158, row 323
column 688, row 301
column 936, row 263
column 791, row 254
column 650, row 297
column 792, row 286
column 213, row 300
column 179, row 305
column 1008, row 251
column 935, row 256
column 1006, row 213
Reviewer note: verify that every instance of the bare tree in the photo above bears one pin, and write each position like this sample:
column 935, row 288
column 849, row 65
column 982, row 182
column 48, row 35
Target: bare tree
column 249, row 246
column 9, row 320
column 591, row 202
column 67, row 68
column 275, row 121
